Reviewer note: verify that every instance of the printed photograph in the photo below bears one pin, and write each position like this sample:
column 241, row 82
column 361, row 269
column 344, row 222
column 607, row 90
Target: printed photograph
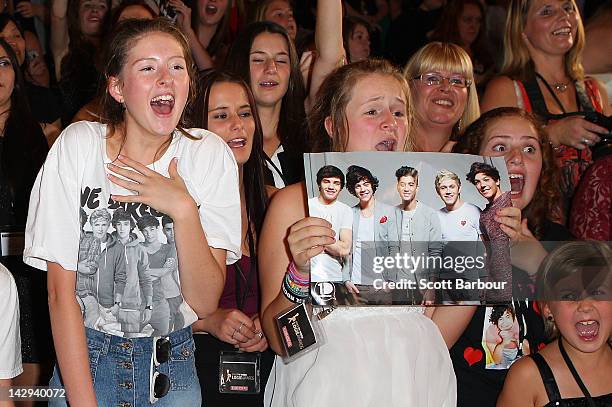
column 410, row 228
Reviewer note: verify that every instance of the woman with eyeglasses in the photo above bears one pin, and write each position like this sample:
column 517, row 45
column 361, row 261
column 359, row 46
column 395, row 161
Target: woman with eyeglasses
column 444, row 94
column 117, row 336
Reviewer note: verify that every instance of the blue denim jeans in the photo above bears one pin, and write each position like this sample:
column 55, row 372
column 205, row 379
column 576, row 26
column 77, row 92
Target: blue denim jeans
column 120, row 369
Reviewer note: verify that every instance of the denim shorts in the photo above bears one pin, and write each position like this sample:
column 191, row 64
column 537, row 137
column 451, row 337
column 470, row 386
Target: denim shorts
column 120, row 369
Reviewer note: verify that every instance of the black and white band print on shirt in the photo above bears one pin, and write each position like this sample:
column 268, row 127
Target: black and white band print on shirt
column 127, row 281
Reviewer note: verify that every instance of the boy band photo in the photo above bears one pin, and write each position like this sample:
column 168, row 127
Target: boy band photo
column 404, row 227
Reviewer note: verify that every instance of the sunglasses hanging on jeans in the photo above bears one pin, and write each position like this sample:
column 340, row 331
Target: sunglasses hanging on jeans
column 159, row 383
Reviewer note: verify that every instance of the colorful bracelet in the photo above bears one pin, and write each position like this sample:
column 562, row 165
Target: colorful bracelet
column 295, row 274
column 292, row 296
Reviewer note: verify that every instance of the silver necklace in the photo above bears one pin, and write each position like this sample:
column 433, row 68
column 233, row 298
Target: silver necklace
column 560, row 87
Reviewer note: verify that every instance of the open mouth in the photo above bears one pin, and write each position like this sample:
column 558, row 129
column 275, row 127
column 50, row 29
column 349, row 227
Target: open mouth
column 386, row 145
column 444, row 102
column 162, row 104
column 268, row 84
column 211, row 9
column 237, row 143
column 587, row 330
column 517, row 181
column 563, row 31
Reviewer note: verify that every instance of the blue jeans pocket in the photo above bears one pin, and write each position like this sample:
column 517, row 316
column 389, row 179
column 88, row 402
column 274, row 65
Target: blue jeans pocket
column 182, row 365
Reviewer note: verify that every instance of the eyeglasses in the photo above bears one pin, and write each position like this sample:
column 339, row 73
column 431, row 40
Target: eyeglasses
column 435, row 79
column 159, row 383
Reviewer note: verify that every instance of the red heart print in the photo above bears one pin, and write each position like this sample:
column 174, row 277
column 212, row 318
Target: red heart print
column 472, row 355
column 541, row 345
column 462, row 223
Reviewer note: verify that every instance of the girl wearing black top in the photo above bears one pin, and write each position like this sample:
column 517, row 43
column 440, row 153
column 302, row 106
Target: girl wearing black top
column 23, row 149
column 574, row 293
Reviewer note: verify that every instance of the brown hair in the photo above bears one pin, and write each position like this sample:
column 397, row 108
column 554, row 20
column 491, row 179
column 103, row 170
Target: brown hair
column 545, row 202
column 125, row 36
column 222, row 36
column 517, row 62
column 565, row 261
column 447, row 29
column 336, row 92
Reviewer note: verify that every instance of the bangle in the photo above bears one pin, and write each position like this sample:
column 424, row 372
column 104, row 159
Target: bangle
column 149, row 307
column 296, row 299
column 297, row 289
column 295, row 274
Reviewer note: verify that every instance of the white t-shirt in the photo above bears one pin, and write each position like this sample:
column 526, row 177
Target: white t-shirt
column 325, row 267
column 70, row 223
column 364, row 237
column 406, row 218
column 10, row 341
column 462, row 224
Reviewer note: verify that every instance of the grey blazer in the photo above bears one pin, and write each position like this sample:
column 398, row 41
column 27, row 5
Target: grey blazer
column 386, row 238
column 425, row 240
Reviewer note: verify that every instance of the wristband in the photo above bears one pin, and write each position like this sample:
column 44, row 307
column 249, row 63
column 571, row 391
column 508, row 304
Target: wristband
column 291, row 286
column 293, row 298
column 295, row 274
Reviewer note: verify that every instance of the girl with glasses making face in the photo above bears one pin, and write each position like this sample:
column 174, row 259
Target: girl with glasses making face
column 141, row 161
column 445, row 99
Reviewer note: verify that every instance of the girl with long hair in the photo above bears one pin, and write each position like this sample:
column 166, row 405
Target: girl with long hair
column 363, row 106
column 109, row 299
column 226, row 106
column 265, row 57
column 543, row 73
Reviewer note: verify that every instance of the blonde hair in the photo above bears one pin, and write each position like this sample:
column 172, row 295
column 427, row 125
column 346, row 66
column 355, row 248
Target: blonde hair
column 443, row 56
column 517, row 63
column 336, row 92
column 566, row 260
column 444, row 175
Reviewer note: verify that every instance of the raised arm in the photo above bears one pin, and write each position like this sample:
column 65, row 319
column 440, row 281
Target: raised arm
column 69, row 336
column 59, row 33
column 286, row 236
column 200, row 55
column 328, row 39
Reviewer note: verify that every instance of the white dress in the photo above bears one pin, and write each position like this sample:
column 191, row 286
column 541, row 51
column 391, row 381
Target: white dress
column 374, row 356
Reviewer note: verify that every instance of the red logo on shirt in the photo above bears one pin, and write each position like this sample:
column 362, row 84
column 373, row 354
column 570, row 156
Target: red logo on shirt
column 383, row 219
column 462, row 223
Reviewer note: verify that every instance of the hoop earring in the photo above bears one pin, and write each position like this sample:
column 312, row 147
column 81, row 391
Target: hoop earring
column 550, row 318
